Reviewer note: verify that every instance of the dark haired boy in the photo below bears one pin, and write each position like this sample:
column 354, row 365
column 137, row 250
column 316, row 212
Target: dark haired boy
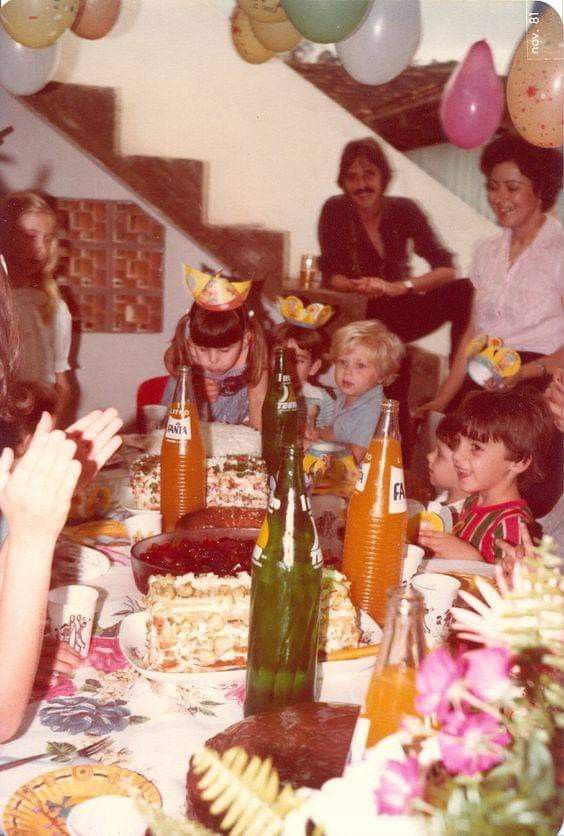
column 503, row 441
column 442, row 472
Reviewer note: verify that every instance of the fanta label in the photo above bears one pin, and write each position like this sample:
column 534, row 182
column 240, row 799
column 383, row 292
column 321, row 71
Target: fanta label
column 363, row 470
column 397, row 501
column 178, row 429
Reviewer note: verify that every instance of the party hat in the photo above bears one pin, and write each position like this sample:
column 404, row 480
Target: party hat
column 215, row 293
column 294, row 312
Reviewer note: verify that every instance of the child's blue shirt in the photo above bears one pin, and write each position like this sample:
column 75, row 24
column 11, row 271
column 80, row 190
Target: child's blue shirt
column 355, row 424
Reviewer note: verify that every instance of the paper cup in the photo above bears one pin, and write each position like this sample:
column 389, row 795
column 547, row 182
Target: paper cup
column 154, row 416
column 70, row 610
column 106, row 815
column 412, row 557
column 142, row 525
column 439, row 593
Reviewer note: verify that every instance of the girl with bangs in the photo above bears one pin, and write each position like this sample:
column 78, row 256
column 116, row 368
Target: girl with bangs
column 229, row 357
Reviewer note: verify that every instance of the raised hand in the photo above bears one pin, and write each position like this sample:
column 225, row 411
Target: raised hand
column 96, row 440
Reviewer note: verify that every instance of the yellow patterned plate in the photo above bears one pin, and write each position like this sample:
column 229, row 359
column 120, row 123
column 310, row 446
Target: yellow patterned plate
column 42, row 805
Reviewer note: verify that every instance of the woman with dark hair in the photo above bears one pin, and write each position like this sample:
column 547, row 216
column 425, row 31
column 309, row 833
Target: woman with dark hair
column 365, row 238
column 518, row 275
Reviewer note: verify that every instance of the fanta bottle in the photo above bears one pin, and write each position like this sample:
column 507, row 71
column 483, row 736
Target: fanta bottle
column 377, row 519
column 183, row 456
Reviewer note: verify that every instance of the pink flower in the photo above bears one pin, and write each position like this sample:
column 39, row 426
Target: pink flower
column 487, row 672
column 400, row 784
column 105, row 655
column 236, row 693
column 471, row 743
column 55, row 685
column 438, row 679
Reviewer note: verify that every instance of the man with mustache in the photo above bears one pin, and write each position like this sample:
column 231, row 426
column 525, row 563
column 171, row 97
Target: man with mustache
column 365, row 238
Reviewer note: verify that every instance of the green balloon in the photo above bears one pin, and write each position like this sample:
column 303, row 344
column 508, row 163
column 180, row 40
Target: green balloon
column 325, row 21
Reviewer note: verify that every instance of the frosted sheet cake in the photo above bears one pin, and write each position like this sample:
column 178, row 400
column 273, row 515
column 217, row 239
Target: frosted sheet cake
column 201, row 622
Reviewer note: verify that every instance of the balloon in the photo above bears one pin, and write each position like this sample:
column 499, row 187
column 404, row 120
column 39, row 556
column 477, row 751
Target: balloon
column 244, row 40
column 37, row 23
column 278, row 37
column 326, row 21
column 95, row 18
column 25, row 71
column 263, row 11
column 472, row 101
column 384, row 43
column 534, row 84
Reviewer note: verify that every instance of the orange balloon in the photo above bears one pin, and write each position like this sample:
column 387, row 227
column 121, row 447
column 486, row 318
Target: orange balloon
column 245, row 41
column 264, row 11
column 534, row 85
column 278, row 37
column 95, row 18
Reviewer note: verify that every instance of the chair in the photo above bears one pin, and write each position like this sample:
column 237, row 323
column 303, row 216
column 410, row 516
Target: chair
column 151, row 391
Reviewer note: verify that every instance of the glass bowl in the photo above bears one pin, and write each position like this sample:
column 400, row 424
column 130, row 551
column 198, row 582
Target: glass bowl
column 178, row 553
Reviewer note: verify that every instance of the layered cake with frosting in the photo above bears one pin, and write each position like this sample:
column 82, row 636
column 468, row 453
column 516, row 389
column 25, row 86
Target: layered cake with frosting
column 238, row 480
column 199, row 622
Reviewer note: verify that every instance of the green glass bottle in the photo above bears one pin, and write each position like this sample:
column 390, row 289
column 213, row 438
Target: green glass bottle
column 285, row 596
column 279, row 412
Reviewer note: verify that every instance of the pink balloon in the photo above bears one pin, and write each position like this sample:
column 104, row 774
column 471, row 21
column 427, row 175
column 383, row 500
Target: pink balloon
column 472, row 101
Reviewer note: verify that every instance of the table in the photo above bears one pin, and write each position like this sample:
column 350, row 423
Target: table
column 154, row 727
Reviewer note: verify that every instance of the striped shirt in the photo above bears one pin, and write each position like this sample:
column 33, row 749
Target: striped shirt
column 482, row 525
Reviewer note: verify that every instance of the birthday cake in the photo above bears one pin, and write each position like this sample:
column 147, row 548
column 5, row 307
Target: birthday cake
column 201, row 622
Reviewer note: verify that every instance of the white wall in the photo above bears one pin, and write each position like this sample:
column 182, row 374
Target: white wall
column 111, row 365
column 272, row 139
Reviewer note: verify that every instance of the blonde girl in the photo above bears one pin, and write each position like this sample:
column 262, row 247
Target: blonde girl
column 28, row 242
column 229, row 357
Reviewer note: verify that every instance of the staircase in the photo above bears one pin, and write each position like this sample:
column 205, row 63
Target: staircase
column 176, row 187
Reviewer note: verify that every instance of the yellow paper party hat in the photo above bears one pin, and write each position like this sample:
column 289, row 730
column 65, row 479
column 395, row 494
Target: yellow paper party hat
column 215, row 293
column 294, row 312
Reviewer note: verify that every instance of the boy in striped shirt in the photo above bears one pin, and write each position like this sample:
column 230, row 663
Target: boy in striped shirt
column 503, row 440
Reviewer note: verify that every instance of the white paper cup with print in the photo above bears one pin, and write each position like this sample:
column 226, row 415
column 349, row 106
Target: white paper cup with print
column 142, row 525
column 70, row 610
column 439, row 593
column 412, row 557
column 154, row 415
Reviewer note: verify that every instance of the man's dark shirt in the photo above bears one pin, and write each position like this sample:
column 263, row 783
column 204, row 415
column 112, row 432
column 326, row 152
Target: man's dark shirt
column 346, row 248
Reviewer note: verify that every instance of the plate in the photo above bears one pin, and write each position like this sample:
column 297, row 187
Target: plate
column 132, row 641
column 460, row 567
column 42, row 805
column 75, row 563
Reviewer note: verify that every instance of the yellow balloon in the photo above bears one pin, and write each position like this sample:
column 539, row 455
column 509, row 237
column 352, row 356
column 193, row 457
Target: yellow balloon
column 278, row 37
column 264, row 11
column 534, row 84
column 38, row 23
column 245, row 41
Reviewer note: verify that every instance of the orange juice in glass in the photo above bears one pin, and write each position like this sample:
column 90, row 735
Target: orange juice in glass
column 392, row 690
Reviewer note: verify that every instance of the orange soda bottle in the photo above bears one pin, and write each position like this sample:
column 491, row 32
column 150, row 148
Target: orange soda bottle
column 183, row 456
column 377, row 519
column 392, row 690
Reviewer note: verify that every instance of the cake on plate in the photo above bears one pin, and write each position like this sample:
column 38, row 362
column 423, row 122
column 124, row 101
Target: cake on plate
column 201, row 622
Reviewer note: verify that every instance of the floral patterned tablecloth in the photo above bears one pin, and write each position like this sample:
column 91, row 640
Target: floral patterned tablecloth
column 154, row 726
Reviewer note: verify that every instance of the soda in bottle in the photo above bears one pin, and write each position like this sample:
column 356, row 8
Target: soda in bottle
column 391, row 693
column 183, row 457
column 377, row 519
column 279, row 412
column 285, row 596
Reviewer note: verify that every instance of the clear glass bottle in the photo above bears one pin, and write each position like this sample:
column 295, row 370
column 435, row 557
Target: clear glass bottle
column 391, row 693
column 285, row 596
column 377, row 519
column 183, row 456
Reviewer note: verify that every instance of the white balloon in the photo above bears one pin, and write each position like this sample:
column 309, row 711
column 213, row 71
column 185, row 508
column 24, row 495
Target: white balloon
column 24, row 71
column 384, row 43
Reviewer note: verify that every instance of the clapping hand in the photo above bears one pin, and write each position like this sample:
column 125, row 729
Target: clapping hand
column 96, row 440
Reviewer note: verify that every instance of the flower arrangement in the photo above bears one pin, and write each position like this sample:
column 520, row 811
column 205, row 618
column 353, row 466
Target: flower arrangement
column 479, row 759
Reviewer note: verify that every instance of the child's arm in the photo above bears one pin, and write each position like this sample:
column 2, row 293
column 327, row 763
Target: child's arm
column 358, row 452
column 448, row 545
column 35, row 498
column 257, row 394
